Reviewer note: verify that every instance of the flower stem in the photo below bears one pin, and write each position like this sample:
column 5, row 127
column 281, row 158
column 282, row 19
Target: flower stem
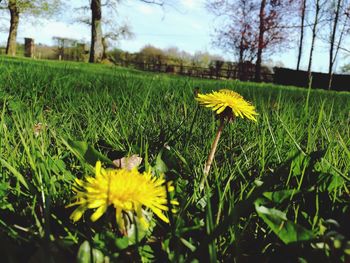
column 213, row 150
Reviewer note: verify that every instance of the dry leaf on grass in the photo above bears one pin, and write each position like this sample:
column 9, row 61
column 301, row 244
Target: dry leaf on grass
column 128, row 163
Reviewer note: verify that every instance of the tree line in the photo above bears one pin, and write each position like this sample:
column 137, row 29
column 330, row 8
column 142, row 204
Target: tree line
column 250, row 29
column 171, row 56
column 176, row 61
column 253, row 28
column 18, row 9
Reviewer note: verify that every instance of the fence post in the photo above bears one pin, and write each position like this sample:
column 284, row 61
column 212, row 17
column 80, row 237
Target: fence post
column 29, row 47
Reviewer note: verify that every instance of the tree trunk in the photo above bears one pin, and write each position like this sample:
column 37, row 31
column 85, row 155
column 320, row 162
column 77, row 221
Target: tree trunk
column 11, row 41
column 314, row 30
column 301, row 40
column 96, row 50
column 105, row 47
column 342, row 33
column 332, row 42
column 240, row 63
column 261, row 41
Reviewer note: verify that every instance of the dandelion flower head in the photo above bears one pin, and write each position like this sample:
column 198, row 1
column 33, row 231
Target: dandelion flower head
column 127, row 190
column 225, row 99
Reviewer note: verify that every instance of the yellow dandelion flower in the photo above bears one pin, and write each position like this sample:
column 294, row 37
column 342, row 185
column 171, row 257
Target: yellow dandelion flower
column 220, row 100
column 127, row 190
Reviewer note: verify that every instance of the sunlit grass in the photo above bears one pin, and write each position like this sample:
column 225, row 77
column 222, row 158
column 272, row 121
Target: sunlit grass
column 121, row 112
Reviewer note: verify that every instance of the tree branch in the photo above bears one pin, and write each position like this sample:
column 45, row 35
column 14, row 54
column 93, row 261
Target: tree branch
column 160, row 3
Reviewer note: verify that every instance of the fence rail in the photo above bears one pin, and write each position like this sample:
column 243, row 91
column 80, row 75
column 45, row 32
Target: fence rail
column 281, row 76
column 247, row 74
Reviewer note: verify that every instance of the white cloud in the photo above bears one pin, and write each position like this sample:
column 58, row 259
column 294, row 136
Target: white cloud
column 191, row 4
column 44, row 31
column 145, row 9
column 196, row 26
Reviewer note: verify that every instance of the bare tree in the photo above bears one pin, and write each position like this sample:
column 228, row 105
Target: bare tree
column 317, row 13
column 96, row 49
column 275, row 24
column 237, row 32
column 26, row 7
column 112, row 31
column 252, row 27
column 262, row 30
column 302, row 30
column 114, row 34
column 338, row 18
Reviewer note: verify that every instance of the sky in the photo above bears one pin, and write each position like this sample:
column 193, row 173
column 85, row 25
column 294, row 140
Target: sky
column 186, row 25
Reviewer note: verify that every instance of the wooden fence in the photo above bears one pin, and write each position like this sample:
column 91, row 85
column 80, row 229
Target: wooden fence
column 281, row 76
column 246, row 73
column 284, row 76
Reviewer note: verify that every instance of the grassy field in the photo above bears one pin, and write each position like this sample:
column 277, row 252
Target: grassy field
column 278, row 189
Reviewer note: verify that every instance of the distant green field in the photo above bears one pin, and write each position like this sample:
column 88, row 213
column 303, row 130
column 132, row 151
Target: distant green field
column 278, row 189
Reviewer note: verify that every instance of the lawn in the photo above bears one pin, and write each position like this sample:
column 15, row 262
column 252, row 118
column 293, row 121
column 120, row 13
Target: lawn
column 278, row 188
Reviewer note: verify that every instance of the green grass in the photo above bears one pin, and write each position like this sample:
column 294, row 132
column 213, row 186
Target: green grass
column 278, row 190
